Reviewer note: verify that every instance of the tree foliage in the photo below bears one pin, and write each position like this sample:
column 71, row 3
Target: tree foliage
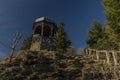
column 27, row 43
column 113, row 22
column 60, row 41
column 109, row 37
column 95, row 33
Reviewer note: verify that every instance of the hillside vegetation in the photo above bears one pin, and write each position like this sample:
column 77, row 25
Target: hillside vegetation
column 43, row 65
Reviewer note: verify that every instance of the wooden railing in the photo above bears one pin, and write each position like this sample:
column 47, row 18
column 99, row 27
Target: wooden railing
column 106, row 66
column 107, row 55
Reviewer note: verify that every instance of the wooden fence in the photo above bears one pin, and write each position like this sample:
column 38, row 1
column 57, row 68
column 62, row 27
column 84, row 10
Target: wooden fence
column 110, row 56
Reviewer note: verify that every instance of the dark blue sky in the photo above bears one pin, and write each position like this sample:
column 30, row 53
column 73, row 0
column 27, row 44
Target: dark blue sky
column 19, row 15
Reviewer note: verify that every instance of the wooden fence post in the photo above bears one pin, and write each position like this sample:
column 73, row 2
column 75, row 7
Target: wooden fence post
column 107, row 56
column 97, row 55
column 114, row 58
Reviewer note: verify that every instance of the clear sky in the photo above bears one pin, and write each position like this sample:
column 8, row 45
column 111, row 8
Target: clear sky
column 19, row 15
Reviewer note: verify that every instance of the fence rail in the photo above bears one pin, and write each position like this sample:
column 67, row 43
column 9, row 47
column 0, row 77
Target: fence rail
column 110, row 56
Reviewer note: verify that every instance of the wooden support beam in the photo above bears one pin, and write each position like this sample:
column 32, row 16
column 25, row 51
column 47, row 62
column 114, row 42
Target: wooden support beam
column 107, row 57
column 89, row 52
column 41, row 36
column 97, row 55
column 114, row 58
column 51, row 36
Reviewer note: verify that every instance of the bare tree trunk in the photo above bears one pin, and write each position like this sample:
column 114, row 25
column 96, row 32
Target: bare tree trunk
column 15, row 42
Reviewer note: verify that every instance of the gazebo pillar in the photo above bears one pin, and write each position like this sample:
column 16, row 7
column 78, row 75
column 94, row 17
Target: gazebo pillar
column 41, row 36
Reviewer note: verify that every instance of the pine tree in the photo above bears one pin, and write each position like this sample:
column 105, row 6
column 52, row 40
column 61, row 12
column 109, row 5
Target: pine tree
column 104, row 42
column 60, row 41
column 95, row 34
column 112, row 9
